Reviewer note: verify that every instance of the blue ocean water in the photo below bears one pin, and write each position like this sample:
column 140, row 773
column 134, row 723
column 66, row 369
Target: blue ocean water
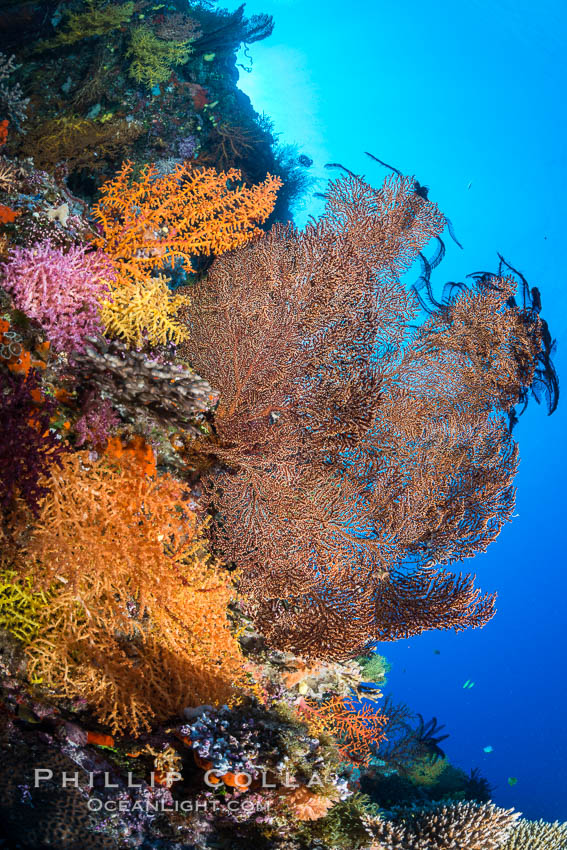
column 470, row 99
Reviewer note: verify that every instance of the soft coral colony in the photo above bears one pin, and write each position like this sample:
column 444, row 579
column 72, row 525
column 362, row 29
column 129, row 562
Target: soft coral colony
column 235, row 457
column 153, row 221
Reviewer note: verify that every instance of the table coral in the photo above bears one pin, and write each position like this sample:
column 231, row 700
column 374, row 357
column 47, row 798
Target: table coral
column 537, row 835
column 462, row 825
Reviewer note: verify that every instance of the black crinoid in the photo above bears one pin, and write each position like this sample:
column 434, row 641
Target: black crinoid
column 544, row 383
column 427, row 738
column 478, row 788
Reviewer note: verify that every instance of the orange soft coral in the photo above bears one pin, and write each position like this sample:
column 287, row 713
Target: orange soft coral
column 354, row 728
column 150, row 221
column 13, row 354
column 306, row 805
column 136, row 448
column 138, row 625
column 7, row 215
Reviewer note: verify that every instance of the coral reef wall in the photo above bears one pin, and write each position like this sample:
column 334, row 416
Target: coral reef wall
column 235, row 457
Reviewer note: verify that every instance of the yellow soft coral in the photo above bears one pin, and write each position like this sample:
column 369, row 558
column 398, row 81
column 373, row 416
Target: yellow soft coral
column 79, row 142
column 20, row 605
column 150, row 221
column 138, row 308
column 426, row 771
column 95, row 21
column 154, row 58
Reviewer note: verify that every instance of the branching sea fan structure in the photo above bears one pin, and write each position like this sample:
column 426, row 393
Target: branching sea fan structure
column 357, row 455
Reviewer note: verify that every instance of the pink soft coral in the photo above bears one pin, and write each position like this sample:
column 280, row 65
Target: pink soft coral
column 97, row 422
column 61, row 289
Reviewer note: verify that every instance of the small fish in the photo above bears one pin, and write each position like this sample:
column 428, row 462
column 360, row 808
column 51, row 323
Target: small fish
column 26, row 714
column 470, row 184
column 436, row 652
column 468, row 684
column 488, row 749
column 512, row 780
